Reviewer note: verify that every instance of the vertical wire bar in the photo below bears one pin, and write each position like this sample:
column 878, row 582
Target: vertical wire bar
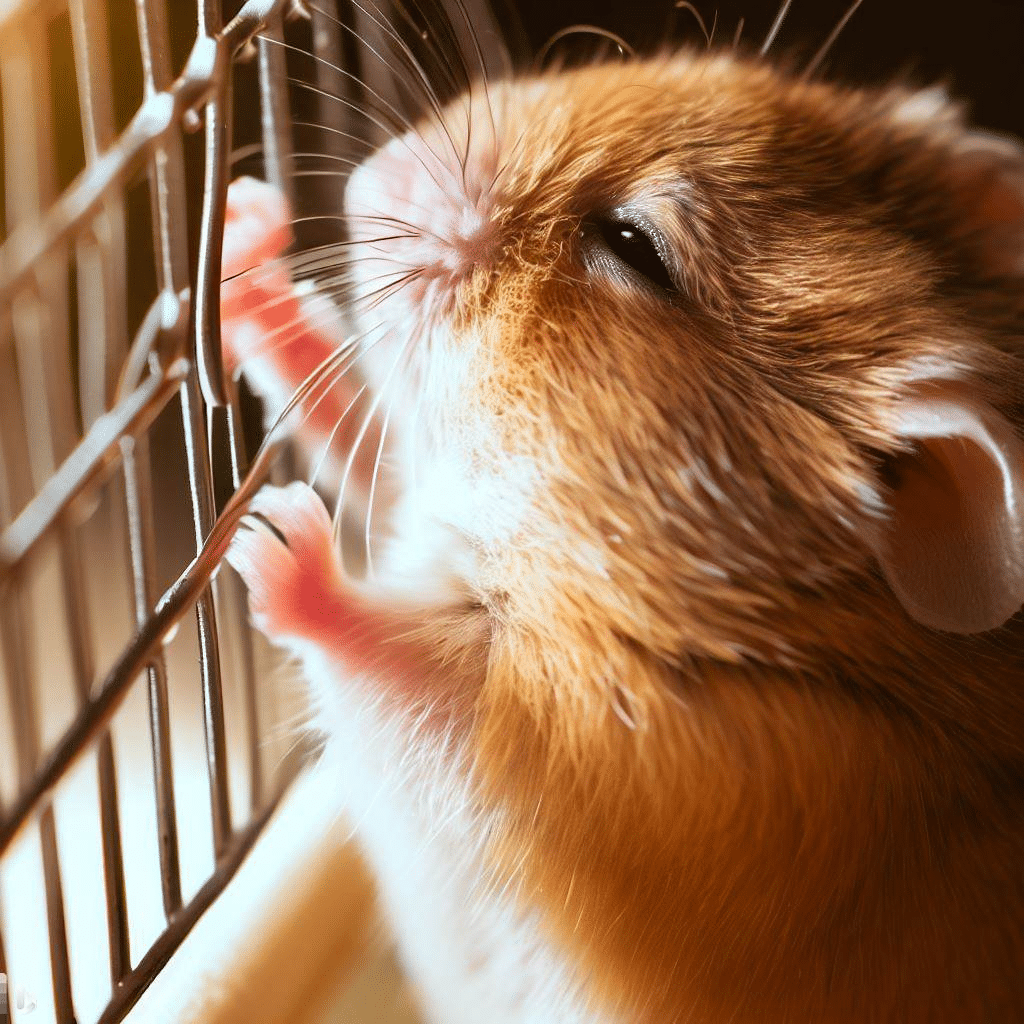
column 209, row 387
column 17, row 481
column 274, row 114
column 15, row 488
column 167, row 196
column 142, row 551
column 201, row 489
column 339, row 120
column 29, row 191
column 104, row 253
column 278, row 169
column 92, row 70
column 57, row 926
column 14, row 627
column 166, row 171
column 40, row 312
column 206, row 342
column 76, row 611
column 239, row 607
column 21, row 697
column 113, row 863
column 376, row 77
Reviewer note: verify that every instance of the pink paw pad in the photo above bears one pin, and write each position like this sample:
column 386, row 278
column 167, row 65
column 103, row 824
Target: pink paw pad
column 277, row 332
column 295, row 584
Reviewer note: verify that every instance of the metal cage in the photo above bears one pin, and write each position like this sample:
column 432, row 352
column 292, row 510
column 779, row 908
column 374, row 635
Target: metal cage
column 123, row 465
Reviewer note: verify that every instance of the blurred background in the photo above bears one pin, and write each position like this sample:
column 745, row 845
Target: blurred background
column 975, row 47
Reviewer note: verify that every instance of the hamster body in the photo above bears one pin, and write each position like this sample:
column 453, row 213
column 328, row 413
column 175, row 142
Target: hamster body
column 688, row 681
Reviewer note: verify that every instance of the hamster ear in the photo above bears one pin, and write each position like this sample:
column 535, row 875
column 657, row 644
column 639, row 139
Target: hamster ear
column 990, row 190
column 983, row 176
column 953, row 547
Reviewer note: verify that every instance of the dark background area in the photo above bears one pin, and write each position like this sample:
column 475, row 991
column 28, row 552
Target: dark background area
column 976, row 47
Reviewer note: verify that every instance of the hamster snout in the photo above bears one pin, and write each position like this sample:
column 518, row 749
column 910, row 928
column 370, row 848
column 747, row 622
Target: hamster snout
column 421, row 208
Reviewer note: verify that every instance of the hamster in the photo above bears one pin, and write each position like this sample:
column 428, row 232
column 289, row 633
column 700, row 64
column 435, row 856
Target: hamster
column 686, row 681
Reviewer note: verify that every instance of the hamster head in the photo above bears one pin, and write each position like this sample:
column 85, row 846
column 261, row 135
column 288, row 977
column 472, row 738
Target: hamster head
column 666, row 323
column 708, row 387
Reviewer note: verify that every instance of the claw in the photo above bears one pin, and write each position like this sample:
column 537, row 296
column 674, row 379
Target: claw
column 294, row 574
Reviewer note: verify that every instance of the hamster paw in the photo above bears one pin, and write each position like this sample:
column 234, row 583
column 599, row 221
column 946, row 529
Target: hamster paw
column 290, row 566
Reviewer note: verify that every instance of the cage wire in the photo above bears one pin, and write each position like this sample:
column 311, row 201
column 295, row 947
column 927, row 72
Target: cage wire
column 123, row 468
column 134, row 699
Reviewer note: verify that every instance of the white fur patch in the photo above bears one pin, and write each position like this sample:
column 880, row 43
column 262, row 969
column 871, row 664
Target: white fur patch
column 472, row 953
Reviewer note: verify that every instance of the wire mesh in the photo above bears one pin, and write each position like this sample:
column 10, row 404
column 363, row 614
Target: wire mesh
column 124, row 455
column 112, row 394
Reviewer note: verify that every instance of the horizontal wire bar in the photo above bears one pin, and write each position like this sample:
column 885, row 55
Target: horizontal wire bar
column 95, row 455
column 207, row 64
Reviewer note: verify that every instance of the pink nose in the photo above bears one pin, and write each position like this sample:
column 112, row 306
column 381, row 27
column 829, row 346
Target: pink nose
column 410, row 203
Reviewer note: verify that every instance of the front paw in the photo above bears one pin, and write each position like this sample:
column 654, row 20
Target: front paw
column 294, row 574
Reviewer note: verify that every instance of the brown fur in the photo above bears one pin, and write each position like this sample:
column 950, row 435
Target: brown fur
column 738, row 779
column 819, row 815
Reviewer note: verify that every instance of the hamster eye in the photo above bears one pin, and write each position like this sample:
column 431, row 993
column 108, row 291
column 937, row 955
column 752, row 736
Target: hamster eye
column 634, row 247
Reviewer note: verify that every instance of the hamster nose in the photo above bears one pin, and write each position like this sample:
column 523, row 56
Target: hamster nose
column 408, row 204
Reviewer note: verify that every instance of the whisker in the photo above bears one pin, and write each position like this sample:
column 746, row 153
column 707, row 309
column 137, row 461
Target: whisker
column 484, row 79
column 426, row 37
column 685, row 5
column 591, row 30
column 323, row 172
column 357, row 444
column 332, row 255
column 512, row 153
column 776, row 25
column 329, row 443
column 282, row 337
column 324, row 289
column 348, row 136
column 383, row 293
column 330, row 380
column 405, row 51
column 739, row 33
column 334, row 379
column 375, row 474
column 246, row 152
column 401, row 47
column 384, row 106
column 828, row 44
column 309, row 383
column 332, row 287
column 389, row 132
column 445, row 34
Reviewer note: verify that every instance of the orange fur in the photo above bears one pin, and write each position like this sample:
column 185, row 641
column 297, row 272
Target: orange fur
column 820, row 814
column 738, row 780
